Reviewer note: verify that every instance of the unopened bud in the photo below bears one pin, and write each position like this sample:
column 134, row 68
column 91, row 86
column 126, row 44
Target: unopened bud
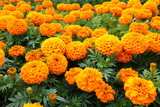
column 118, row 76
column 52, row 97
column 29, row 90
column 153, row 67
column 107, row 60
column 1, row 76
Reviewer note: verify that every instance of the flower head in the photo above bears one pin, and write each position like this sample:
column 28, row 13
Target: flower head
column 16, row 50
column 58, row 17
column 2, row 57
column 12, row 71
column 33, row 55
column 69, row 19
column 32, row 105
column 47, row 3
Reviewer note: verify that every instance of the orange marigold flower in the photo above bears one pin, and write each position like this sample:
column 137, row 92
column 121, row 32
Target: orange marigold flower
column 139, row 27
column 43, row 59
column 86, row 6
column 58, row 17
column 105, row 3
column 69, row 19
column 39, row 8
column 155, row 21
column 17, row 27
column 108, row 44
column 72, row 28
column 140, row 91
column 76, row 13
column 9, row 7
column 20, row 3
column 12, row 71
column 57, row 64
column 86, row 14
column 90, row 42
column 146, row 13
column 99, row 32
column 67, row 7
column 32, row 105
column 89, row 79
column 47, row 3
column 38, row 0
column 75, row 50
column 125, row 19
column 53, row 45
column 2, row 45
column 4, row 20
column 24, row 8
column 109, row 6
column 152, row 6
column 33, row 55
column 101, row 9
column 115, row 1
column 123, row 56
column 137, row 6
column 5, row 1
column 156, row 1
column 4, row 12
column 16, row 50
column 96, row 6
column 48, row 18
column 132, row 2
column 2, row 57
column 122, row 5
column 76, row 6
column 34, row 72
column 127, row 73
column 70, row 76
column 87, row 29
column 1, row 3
column 58, row 27
column 52, row 97
column 134, row 43
column 116, row 11
column 66, row 39
column 105, row 94
column 60, row 6
column 83, row 33
column 17, row 14
column 50, row 11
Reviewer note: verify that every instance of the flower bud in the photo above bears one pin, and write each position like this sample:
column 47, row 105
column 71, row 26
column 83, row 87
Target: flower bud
column 153, row 67
column 12, row 72
column 1, row 76
column 118, row 76
column 29, row 90
column 52, row 97
column 107, row 60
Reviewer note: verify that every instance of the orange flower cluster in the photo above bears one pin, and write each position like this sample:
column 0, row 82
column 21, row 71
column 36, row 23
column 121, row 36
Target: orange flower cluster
column 83, row 33
column 57, row 64
column 155, row 22
column 48, row 18
column 39, row 8
column 90, row 42
column 58, row 27
column 9, row 7
column 116, row 11
column 127, row 73
column 108, row 44
column 2, row 45
column 52, row 97
column 123, row 56
column 2, row 57
column 140, row 91
column 152, row 6
column 134, row 43
column 99, row 32
column 101, row 9
column 139, row 27
column 17, row 27
column 17, row 14
column 130, row 3
column 24, row 8
column 70, row 76
column 47, row 3
column 75, row 50
column 76, row 13
column 16, row 50
column 34, row 72
column 86, row 6
column 32, row 105
column 12, row 71
column 33, row 55
column 74, row 29
column 86, row 14
column 50, row 11
column 68, row 7
column 69, row 19
column 58, row 17
column 65, row 38
column 47, row 29
column 53, row 45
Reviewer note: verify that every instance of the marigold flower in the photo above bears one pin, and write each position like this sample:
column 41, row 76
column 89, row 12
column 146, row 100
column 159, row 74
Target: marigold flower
column 73, row 28
column 2, row 45
column 122, row 5
column 60, row 6
column 2, row 57
column 105, row 94
column 140, row 91
column 127, row 73
column 39, row 8
column 90, row 42
column 83, row 33
column 52, row 45
column 155, row 23
column 110, row 5
column 47, row 3
column 86, row 14
column 52, row 97
column 69, row 19
column 17, row 14
column 65, row 39
column 76, row 13
column 17, row 27
column 48, row 18
column 50, row 11
column 152, row 6
column 108, row 44
column 16, row 50
column 32, row 105
column 1, row 3
column 33, row 55
column 12, row 71
column 105, row 3
column 43, row 59
column 123, row 56
column 132, row 2
column 146, row 13
column 134, row 43
column 125, row 19
column 57, row 64
column 20, row 3
column 76, row 6
column 34, row 72
column 4, row 12
column 99, row 32
column 101, row 9
column 70, row 76
column 9, row 7
column 58, row 27
column 89, row 79
column 86, row 6
column 115, row 1
column 139, row 27
column 116, row 11
column 96, row 6
column 75, row 50
column 67, row 7
column 58, row 17
column 24, row 8
column 156, row 1
column 38, row 0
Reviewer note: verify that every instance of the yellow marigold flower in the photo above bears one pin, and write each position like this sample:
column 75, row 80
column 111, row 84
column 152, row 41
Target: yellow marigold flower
column 66, row 39
column 70, row 76
column 73, row 28
column 33, row 55
column 76, row 13
column 127, row 73
column 76, row 6
column 140, row 91
column 122, row 5
column 24, row 8
column 34, row 72
column 86, row 6
column 89, row 79
column 17, row 14
column 86, row 14
column 101, row 9
column 58, row 27
column 69, row 19
column 32, row 105
column 134, row 43
column 105, row 94
column 17, row 27
column 60, row 6
column 108, row 44
column 67, row 7
column 12, row 71
column 50, row 11
column 52, row 45
column 52, row 97
column 132, row 2
column 57, row 64
column 152, row 6
column 115, row 1
column 139, row 27
column 2, row 45
column 2, row 57
column 75, row 50
column 125, row 19
column 90, row 42
column 39, row 8
column 58, row 17
column 9, row 7
column 48, row 18
column 16, row 50
column 99, row 32
column 4, row 20
column 123, row 56
column 43, row 59
column 47, row 3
